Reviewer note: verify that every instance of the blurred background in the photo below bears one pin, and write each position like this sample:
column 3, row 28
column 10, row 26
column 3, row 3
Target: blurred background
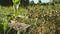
column 43, row 16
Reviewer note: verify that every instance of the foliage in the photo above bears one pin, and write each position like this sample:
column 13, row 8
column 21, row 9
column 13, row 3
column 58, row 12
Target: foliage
column 44, row 19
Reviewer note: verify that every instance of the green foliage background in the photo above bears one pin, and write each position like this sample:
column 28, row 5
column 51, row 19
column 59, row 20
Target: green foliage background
column 44, row 19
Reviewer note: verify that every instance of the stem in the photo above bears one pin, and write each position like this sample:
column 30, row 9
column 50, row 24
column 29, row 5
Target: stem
column 4, row 32
column 15, row 11
column 18, row 32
